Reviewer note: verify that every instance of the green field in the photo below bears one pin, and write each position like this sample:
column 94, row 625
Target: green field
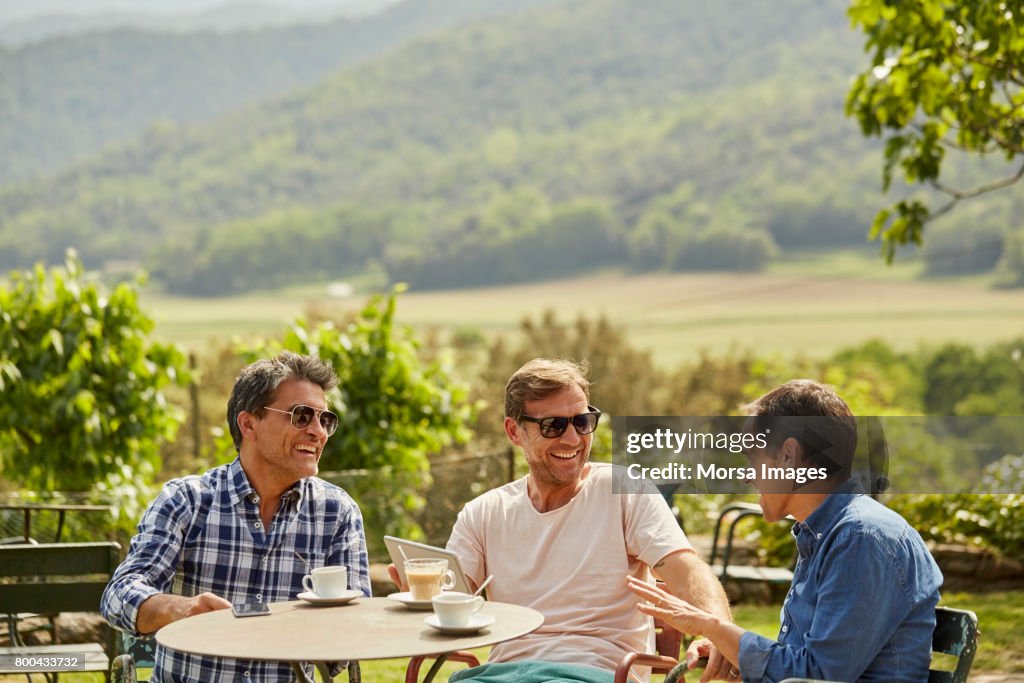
column 810, row 305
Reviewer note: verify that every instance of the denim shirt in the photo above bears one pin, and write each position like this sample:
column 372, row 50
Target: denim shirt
column 862, row 603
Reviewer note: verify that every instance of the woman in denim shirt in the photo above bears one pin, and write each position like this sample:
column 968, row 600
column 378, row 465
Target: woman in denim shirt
column 862, row 603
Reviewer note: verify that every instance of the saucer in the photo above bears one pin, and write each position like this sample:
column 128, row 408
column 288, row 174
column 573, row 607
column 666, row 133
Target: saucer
column 476, row 622
column 406, row 599
column 314, row 599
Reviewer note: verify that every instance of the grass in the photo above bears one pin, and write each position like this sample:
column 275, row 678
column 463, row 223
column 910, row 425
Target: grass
column 805, row 306
column 1000, row 614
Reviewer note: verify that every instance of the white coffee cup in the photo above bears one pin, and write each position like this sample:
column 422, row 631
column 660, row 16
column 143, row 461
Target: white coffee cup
column 327, row 582
column 454, row 610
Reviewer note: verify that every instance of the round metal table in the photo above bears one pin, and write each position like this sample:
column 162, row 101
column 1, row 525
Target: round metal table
column 367, row 628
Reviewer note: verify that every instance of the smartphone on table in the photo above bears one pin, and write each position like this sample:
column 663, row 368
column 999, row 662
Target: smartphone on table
column 250, row 609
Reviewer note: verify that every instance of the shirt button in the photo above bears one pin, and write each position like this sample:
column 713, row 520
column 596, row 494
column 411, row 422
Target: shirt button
column 258, row 525
column 265, row 559
column 785, row 629
column 259, row 597
column 246, row 674
column 819, row 537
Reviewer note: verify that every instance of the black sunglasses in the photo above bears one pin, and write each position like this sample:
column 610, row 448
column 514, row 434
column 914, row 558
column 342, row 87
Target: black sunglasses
column 302, row 416
column 553, row 427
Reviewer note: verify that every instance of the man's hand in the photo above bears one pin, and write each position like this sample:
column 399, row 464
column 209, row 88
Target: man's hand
column 393, row 574
column 205, row 602
column 163, row 608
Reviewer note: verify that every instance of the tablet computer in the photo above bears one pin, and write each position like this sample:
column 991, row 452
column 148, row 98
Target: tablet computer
column 414, row 550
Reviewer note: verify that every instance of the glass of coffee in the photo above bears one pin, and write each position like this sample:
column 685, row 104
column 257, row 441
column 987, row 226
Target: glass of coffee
column 428, row 577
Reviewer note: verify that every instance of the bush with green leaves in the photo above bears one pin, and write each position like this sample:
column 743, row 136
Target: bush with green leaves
column 395, row 410
column 988, row 520
column 82, row 404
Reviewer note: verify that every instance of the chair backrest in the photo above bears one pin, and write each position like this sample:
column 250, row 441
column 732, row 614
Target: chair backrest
column 667, row 640
column 956, row 634
column 55, row 577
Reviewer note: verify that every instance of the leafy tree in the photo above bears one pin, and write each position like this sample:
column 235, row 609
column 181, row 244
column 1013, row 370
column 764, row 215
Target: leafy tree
column 954, row 250
column 395, row 411
column 946, row 75
column 984, row 519
column 1011, row 266
column 81, row 387
column 727, row 248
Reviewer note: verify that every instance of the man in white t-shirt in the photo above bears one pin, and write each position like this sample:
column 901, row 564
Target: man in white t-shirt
column 560, row 541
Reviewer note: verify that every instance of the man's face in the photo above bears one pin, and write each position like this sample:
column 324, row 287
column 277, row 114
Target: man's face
column 280, row 450
column 558, row 461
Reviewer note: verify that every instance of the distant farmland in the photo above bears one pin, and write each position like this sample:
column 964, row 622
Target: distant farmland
column 673, row 315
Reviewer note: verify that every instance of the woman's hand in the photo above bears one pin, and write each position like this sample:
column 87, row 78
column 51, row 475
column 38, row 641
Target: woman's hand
column 680, row 614
column 686, row 618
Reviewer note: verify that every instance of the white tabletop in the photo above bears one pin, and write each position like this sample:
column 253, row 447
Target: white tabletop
column 368, row 628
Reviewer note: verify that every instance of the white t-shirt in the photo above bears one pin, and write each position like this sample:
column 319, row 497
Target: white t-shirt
column 570, row 564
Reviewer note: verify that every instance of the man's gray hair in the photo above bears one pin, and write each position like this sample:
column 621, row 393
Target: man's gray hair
column 256, row 385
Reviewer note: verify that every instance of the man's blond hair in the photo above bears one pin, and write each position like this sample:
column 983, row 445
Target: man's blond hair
column 543, row 377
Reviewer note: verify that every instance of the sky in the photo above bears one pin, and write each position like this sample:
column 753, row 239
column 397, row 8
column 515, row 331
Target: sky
column 11, row 10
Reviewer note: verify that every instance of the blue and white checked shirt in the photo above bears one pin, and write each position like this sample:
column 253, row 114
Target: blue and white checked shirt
column 204, row 533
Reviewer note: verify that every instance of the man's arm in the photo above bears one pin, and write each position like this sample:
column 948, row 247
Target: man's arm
column 161, row 609
column 690, row 578
column 136, row 599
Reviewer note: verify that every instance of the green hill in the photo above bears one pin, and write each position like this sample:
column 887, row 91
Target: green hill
column 64, row 99
column 664, row 135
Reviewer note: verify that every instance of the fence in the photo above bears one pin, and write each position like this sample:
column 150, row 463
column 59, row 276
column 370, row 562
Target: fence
column 456, row 479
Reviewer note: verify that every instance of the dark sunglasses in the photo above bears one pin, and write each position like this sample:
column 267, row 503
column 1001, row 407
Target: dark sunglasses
column 302, row 416
column 553, row 427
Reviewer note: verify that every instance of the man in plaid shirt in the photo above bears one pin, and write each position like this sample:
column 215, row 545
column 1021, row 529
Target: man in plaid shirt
column 236, row 533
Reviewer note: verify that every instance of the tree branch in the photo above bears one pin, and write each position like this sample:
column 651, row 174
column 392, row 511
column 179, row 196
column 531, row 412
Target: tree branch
column 957, row 195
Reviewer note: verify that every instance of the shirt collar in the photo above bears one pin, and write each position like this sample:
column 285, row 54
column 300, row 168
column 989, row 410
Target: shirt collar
column 826, row 516
column 238, row 484
column 240, row 489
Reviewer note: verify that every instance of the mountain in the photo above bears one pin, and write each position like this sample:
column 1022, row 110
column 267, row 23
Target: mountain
column 667, row 134
column 65, row 99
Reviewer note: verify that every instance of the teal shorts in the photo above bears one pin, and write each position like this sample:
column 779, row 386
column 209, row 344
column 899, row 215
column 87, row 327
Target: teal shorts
column 532, row 672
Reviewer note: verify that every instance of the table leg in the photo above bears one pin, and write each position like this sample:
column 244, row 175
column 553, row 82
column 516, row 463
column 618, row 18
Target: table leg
column 301, row 673
column 435, row 667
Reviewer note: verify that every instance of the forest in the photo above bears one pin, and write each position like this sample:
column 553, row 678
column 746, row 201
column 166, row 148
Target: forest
column 529, row 145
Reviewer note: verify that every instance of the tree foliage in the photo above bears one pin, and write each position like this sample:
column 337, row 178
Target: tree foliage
column 395, row 410
column 81, row 386
column 441, row 153
column 946, row 76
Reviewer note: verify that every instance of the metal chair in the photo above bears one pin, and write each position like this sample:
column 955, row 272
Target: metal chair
column 141, row 653
column 731, row 515
column 667, row 644
column 136, row 653
column 956, row 635
column 954, row 642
